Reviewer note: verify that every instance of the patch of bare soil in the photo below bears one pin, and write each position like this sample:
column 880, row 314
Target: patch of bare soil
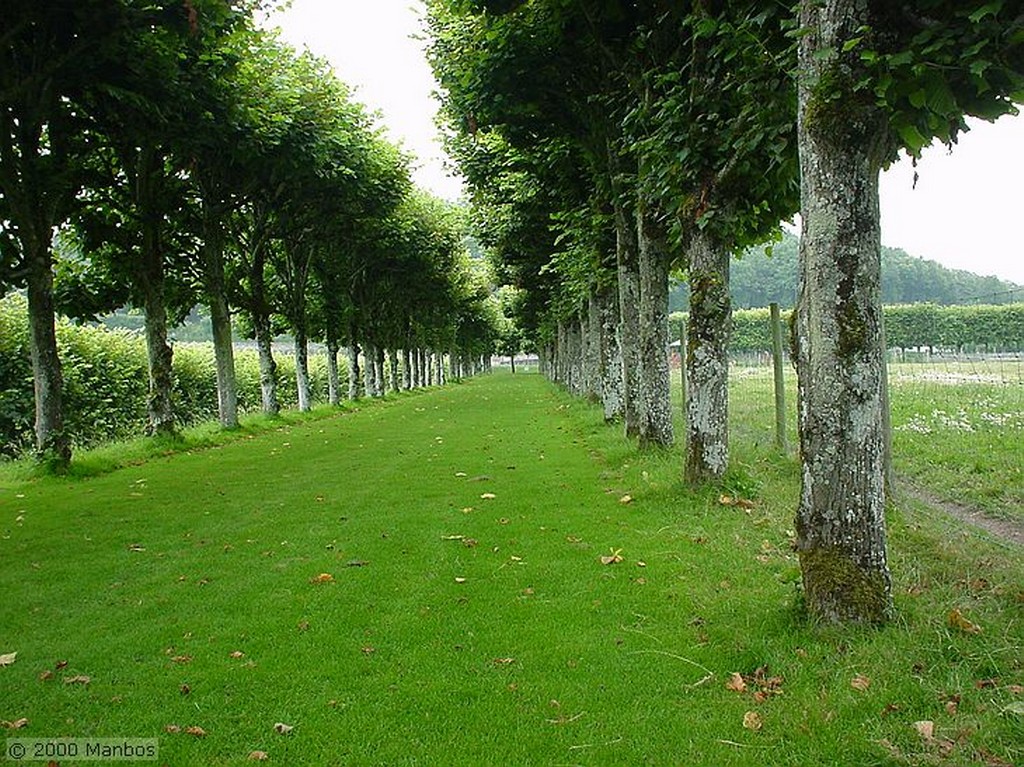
column 1004, row 529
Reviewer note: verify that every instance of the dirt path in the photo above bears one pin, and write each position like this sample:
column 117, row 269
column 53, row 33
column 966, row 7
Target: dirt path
column 1004, row 529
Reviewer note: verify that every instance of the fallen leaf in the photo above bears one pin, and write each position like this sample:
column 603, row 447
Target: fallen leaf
column 470, row 543
column 322, row 578
column 459, row 579
column 46, row 676
column 982, row 684
column 725, row 500
column 953, row 706
column 258, row 756
column 488, row 496
column 613, row 559
column 1016, row 689
column 926, row 729
column 185, row 689
column 303, row 625
column 283, row 729
column 641, row 563
column 957, row 620
column 452, row 537
column 504, row 661
column 356, row 563
column 237, row 654
column 736, row 683
column 17, row 724
column 860, row 682
column 752, row 721
column 367, row 650
column 136, row 547
column 626, row 499
column 1017, row 707
column 504, row 521
column 182, row 659
column 172, row 728
column 195, row 731
column 61, row 664
column 460, row 474
column 7, row 659
column 80, row 679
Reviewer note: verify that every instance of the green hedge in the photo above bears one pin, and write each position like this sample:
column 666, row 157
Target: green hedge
column 991, row 328
column 106, row 381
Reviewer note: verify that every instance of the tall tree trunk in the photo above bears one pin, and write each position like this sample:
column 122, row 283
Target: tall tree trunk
column 393, row 370
column 220, row 318
column 610, row 354
column 840, row 522
column 407, row 378
column 628, row 266
column 378, row 371
column 160, row 355
column 268, row 367
column 353, row 370
column 52, row 444
column 302, row 366
column 333, row 378
column 655, row 375
column 369, row 370
column 707, row 362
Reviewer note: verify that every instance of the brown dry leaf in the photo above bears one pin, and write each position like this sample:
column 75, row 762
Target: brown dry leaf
column 7, row 659
column 725, row 500
column 982, row 684
column 181, row 659
column 1016, row 689
column 237, row 654
column 488, row 496
column 172, row 728
column 283, row 729
column 258, row 756
column 80, row 679
column 736, row 683
column 860, row 682
column 195, row 731
column 613, row 559
column 926, row 729
column 470, row 543
column 953, row 706
column 17, row 724
column 957, row 620
column 61, row 664
column 752, row 721
column 303, row 625
column 368, row 650
column 504, row 661
column 46, row 676
column 185, row 689
column 626, row 499
column 322, row 578
column 452, row 537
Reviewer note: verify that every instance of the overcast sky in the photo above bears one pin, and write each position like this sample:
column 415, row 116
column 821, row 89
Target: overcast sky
column 963, row 213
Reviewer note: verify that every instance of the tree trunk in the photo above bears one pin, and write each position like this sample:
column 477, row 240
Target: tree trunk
column 333, row 378
column 369, row 370
column 707, row 362
column 220, row 320
column 268, row 367
column 52, row 444
column 393, row 365
column 655, row 409
column 302, row 367
column 840, row 522
column 378, row 371
column 628, row 267
column 610, row 354
column 353, row 370
column 407, row 382
column 160, row 356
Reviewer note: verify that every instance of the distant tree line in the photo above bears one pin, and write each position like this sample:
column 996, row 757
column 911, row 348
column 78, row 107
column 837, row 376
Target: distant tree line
column 764, row 275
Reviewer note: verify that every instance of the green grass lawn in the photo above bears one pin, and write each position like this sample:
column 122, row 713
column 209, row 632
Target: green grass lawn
column 459, row 628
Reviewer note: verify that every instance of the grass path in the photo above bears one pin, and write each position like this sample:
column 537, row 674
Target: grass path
column 457, row 629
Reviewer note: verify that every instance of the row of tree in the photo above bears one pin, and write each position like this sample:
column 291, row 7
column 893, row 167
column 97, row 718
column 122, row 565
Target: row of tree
column 608, row 142
column 160, row 153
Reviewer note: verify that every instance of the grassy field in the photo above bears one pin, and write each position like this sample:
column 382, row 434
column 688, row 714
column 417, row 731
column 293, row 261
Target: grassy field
column 421, row 582
column 957, row 431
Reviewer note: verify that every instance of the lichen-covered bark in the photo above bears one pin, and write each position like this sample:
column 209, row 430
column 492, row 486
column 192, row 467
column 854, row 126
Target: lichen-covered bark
column 393, row 370
column 260, row 316
column 220, row 320
column 378, row 371
column 655, row 409
column 333, row 377
column 840, row 522
column 302, row 368
column 354, row 371
column 707, row 362
column 52, row 443
column 160, row 406
column 407, row 380
column 628, row 268
column 610, row 354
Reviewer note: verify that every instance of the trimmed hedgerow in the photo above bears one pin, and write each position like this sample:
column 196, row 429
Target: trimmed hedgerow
column 106, row 381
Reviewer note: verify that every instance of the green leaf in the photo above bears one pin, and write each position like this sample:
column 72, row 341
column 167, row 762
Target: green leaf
column 989, row 9
column 912, row 138
column 852, row 43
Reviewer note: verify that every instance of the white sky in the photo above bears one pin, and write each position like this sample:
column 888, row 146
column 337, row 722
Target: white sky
column 962, row 213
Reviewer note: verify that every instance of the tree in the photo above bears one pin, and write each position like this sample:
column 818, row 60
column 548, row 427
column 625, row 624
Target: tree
column 873, row 78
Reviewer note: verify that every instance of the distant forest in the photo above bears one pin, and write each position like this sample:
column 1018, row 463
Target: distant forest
column 758, row 279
